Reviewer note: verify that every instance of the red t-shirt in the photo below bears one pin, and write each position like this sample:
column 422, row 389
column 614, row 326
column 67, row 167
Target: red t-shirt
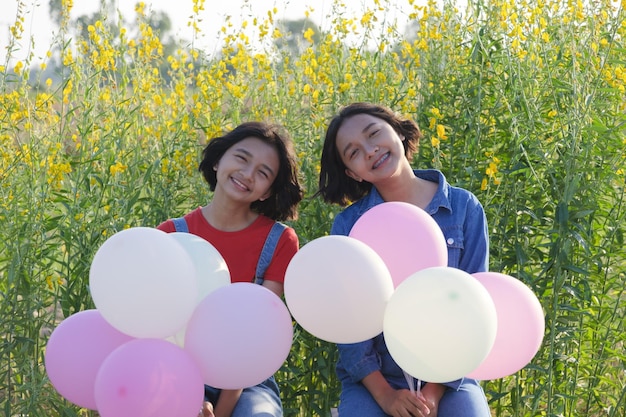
column 241, row 249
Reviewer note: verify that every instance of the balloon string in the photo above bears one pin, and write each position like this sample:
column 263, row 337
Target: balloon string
column 410, row 380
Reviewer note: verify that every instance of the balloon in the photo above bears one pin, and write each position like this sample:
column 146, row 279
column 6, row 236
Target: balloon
column 405, row 237
column 211, row 269
column 144, row 283
column 520, row 326
column 440, row 324
column 76, row 349
column 239, row 335
column 337, row 288
column 149, row 378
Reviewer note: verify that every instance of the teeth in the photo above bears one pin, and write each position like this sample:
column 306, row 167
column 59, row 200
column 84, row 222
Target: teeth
column 381, row 160
column 239, row 183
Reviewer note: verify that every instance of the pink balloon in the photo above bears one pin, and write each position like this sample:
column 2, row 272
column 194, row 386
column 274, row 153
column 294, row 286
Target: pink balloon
column 240, row 335
column 149, row 378
column 405, row 236
column 76, row 349
column 520, row 326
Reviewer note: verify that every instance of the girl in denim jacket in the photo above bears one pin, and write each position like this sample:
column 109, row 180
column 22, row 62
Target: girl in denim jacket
column 366, row 160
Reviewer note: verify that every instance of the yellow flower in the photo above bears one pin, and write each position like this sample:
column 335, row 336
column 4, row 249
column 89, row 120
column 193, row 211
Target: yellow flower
column 308, row 35
column 441, row 132
column 117, row 168
column 18, row 67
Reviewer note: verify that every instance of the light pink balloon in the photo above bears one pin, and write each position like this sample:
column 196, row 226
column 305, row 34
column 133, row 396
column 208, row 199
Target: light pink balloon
column 404, row 236
column 76, row 349
column 239, row 335
column 149, row 378
column 337, row 289
column 520, row 329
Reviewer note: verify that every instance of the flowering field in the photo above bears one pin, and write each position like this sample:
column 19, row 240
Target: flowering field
column 522, row 102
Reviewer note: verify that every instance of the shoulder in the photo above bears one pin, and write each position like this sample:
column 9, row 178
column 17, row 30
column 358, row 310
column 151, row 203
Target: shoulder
column 192, row 218
column 345, row 219
column 288, row 235
column 450, row 196
column 463, row 197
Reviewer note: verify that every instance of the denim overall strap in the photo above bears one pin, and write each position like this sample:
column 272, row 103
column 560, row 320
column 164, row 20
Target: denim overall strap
column 180, row 225
column 268, row 251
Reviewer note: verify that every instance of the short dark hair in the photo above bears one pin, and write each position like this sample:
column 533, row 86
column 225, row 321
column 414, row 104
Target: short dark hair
column 335, row 186
column 286, row 192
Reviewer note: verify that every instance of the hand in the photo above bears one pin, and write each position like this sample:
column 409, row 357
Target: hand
column 404, row 403
column 431, row 395
column 207, row 410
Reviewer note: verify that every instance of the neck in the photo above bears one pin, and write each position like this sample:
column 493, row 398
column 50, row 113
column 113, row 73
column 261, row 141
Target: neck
column 228, row 217
column 407, row 188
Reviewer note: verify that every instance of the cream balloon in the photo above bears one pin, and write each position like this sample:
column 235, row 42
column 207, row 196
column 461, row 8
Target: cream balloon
column 440, row 324
column 143, row 282
column 211, row 270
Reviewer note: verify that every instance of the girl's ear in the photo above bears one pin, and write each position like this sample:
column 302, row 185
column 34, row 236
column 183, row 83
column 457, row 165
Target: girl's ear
column 352, row 175
column 215, row 166
column 266, row 195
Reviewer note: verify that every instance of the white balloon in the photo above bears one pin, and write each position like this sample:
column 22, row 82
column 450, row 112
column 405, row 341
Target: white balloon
column 143, row 282
column 337, row 288
column 440, row 324
column 211, row 270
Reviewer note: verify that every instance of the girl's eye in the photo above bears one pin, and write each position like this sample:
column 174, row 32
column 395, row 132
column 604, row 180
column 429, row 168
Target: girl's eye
column 264, row 174
column 353, row 153
column 374, row 132
column 240, row 157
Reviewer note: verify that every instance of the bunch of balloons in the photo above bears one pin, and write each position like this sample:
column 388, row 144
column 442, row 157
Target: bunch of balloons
column 167, row 321
column 390, row 276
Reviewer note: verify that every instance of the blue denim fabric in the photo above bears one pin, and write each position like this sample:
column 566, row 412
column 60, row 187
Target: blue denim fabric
column 267, row 253
column 466, row 401
column 461, row 217
column 262, row 400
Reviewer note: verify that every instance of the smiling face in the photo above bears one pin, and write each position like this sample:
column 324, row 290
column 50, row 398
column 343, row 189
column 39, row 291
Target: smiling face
column 370, row 148
column 247, row 170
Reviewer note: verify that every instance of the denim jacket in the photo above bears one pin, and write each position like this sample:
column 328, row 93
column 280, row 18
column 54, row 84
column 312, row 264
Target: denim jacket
column 460, row 216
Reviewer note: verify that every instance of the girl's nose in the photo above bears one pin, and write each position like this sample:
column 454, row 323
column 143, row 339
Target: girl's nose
column 372, row 150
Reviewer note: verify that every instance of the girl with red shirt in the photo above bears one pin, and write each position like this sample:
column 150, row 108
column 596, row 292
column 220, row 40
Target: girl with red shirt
column 252, row 172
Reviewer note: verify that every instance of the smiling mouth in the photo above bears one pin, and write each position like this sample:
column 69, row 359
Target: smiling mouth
column 240, row 184
column 380, row 160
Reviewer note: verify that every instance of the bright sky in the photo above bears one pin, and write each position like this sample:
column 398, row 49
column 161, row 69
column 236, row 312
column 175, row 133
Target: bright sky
column 37, row 24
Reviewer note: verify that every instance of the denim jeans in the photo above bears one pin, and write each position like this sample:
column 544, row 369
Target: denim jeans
column 261, row 400
column 467, row 401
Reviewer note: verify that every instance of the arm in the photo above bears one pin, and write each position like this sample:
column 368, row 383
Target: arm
column 475, row 255
column 274, row 286
column 227, row 401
